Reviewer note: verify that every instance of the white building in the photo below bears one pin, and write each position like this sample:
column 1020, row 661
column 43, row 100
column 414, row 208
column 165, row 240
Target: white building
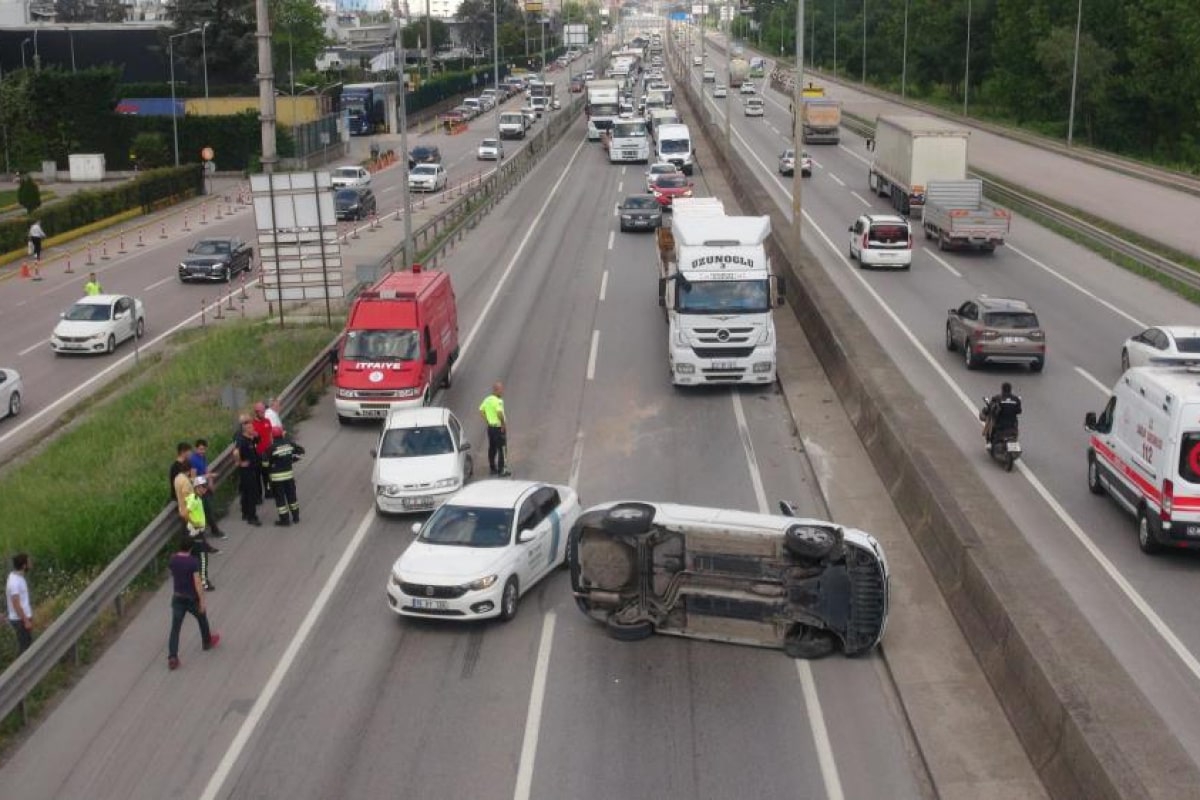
column 438, row 9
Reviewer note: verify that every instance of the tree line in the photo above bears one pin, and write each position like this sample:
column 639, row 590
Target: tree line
column 1136, row 93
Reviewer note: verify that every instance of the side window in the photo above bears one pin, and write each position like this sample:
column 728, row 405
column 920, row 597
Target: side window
column 547, row 500
column 1104, row 423
column 456, row 431
column 122, row 305
column 1161, row 341
column 969, row 311
column 528, row 517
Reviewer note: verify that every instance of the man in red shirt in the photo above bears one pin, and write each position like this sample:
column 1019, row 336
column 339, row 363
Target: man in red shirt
column 262, row 427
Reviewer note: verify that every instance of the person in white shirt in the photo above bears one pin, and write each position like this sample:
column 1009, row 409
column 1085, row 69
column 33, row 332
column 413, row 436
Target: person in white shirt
column 272, row 414
column 20, row 612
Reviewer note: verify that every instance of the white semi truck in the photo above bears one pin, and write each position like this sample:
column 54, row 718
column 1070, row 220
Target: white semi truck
column 912, row 151
column 629, row 140
column 603, row 106
column 716, row 286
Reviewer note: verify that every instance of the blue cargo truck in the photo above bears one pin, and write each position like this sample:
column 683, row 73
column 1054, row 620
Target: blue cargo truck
column 371, row 107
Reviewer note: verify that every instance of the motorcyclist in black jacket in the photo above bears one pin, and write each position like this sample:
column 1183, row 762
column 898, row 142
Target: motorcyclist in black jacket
column 1002, row 412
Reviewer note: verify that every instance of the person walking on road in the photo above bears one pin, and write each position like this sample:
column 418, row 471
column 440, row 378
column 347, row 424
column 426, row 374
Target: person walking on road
column 281, row 460
column 199, row 461
column 187, row 597
column 36, row 237
column 492, row 411
column 197, row 526
column 16, row 595
column 249, row 471
column 92, row 287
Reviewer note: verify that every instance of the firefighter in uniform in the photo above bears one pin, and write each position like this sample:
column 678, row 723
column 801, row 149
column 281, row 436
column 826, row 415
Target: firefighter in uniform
column 280, row 459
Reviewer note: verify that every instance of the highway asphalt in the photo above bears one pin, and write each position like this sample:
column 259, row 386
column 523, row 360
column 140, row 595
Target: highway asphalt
column 317, row 690
column 1141, row 605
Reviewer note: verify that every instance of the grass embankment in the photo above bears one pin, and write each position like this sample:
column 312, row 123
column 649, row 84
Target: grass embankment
column 75, row 503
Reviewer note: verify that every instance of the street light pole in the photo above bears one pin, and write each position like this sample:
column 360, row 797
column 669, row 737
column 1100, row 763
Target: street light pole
column 71, row 40
column 1074, row 76
column 967, row 70
column 496, row 66
column 204, row 55
column 904, row 55
column 835, row 37
column 864, row 46
column 798, row 133
column 409, row 256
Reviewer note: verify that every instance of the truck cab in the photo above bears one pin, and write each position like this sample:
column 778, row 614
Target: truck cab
column 398, row 347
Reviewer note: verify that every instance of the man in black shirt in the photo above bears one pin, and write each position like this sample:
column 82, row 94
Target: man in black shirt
column 1003, row 410
column 249, row 471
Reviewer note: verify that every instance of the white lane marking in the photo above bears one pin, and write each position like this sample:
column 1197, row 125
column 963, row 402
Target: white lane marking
column 1094, row 381
column 534, row 226
column 942, row 261
column 856, row 155
column 760, row 494
column 1160, row 626
column 591, row 363
column 533, row 720
column 1084, row 291
column 234, row 751
column 157, row 284
column 623, row 171
column 816, row 720
column 611, row 237
column 861, row 199
column 603, row 285
column 620, row 185
column 837, row 180
column 576, row 461
column 27, row 421
column 33, row 347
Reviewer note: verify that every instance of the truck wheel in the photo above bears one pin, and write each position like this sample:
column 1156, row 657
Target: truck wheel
column 1146, row 540
column 942, row 243
column 629, row 632
column 811, row 542
column 629, row 518
column 805, row 641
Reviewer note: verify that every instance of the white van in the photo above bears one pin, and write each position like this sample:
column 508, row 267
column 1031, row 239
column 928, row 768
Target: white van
column 673, row 143
column 1144, row 452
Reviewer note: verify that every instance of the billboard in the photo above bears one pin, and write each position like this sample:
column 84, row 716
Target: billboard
column 699, row 9
column 575, row 35
column 534, row 6
column 297, row 236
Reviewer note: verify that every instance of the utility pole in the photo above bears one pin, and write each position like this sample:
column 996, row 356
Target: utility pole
column 266, row 86
column 409, row 255
column 967, row 70
column 1074, row 76
column 798, row 134
column 429, row 42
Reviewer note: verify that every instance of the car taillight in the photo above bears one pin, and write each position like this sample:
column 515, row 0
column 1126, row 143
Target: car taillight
column 1039, row 335
column 1168, row 500
column 988, row 334
column 909, row 244
column 865, row 245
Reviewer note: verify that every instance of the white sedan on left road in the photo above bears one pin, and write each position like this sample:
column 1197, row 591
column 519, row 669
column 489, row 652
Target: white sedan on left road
column 482, row 549
column 99, row 323
column 10, row 393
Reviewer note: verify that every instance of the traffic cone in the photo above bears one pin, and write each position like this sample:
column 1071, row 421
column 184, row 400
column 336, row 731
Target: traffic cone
column 25, row 273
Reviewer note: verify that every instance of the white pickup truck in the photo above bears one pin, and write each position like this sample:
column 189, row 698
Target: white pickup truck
column 956, row 215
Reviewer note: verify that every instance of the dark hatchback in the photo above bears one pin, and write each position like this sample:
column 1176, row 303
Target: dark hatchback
column 354, row 203
column 216, row 260
column 640, row 212
column 424, row 154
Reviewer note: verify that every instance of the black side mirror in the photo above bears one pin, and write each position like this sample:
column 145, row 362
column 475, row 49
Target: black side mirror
column 1089, row 421
column 431, row 357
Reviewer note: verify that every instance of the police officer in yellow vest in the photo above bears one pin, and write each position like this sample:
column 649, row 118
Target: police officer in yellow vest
column 92, row 287
column 197, row 526
column 280, row 459
column 492, row 411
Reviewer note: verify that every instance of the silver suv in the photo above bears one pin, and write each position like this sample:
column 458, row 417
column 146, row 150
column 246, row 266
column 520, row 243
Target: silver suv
column 1001, row 329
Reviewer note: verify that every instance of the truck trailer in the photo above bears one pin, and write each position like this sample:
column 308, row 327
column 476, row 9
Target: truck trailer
column 911, row 151
column 956, row 215
column 822, row 121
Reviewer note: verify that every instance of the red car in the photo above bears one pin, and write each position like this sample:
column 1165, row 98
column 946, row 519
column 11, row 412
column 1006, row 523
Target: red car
column 667, row 187
column 576, row 85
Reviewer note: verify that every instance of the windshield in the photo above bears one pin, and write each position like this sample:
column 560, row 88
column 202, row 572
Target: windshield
column 468, row 527
column 346, row 196
column 488, row 143
column 723, row 297
column 629, row 129
column 409, row 442
column 424, row 152
column 88, row 312
column 889, row 234
column 210, row 247
column 401, row 345
column 424, row 169
column 346, row 172
column 1010, row 319
column 672, row 180
column 641, row 202
column 674, row 146
column 603, row 109
column 354, row 104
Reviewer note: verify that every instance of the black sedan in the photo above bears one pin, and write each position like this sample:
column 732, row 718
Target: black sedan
column 356, row 202
column 639, row 212
column 424, row 154
column 216, row 260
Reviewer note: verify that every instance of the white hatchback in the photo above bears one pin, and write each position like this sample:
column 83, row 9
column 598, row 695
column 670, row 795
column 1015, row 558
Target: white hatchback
column 484, row 548
column 421, row 460
column 881, row 240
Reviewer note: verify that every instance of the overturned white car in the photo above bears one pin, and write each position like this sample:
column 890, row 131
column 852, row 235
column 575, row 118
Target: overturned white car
column 807, row 586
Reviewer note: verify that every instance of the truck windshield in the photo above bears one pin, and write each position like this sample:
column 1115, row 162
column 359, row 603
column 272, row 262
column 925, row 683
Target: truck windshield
column 623, row 130
column 723, row 297
column 674, row 146
column 603, row 109
column 383, row 345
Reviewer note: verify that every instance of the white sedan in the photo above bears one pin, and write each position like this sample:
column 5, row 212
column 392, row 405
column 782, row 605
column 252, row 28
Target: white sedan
column 747, row 88
column 99, row 323
column 710, row 75
column 1161, row 345
column 720, row 90
column 484, row 548
column 344, row 177
column 10, row 393
column 428, row 178
column 420, row 461
column 491, row 150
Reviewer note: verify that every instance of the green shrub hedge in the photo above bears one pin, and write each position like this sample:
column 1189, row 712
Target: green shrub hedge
column 88, row 206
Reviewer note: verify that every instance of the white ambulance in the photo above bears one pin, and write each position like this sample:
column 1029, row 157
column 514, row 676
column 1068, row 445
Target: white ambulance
column 1144, row 452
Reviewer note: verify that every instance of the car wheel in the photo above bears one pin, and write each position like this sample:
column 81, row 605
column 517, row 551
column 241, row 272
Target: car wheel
column 1146, row 540
column 1038, row 364
column 1093, row 476
column 807, row 541
column 629, row 518
column 111, row 346
column 949, row 339
column 1124, row 360
column 969, row 355
column 508, row 600
column 805, row 641
column 14, row 404
column 629, row 632
column 344, row 420
column 583, row 605
column 140, row 330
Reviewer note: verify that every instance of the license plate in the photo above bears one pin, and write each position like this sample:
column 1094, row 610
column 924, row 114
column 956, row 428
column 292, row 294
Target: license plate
column 1192, row 531
column 374, row 412
column 434, row 604
column 1013, row 339
column 1014, row 447
column 418, row 502
column 724, row 365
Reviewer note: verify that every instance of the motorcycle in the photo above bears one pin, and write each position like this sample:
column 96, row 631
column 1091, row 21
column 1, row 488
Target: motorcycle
column 1004, row 446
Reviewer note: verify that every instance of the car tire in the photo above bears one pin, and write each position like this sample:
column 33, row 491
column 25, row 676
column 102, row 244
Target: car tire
column 140, row 330
column 509, row 600
column 807, row 642
column 1093, row 476
column 629, row 632
column 344, row 420
column 969, row 355
column 950, row 345
column 806, row 541
column 583, row 605
column 1146, row 541
column 14, row 404
column 111, row 345
column 1124, row 359
column 1038, row 364
column 629, row 518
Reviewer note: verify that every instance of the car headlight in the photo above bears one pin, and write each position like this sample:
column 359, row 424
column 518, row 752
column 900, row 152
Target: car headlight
column 626, row 216
column 396, row 579
column 347, row 394
column 387, row 489
column 445, row 482
column 763, row 366
column 688, row 193
column 182, row 266
column 408, row 392
column 483, row 583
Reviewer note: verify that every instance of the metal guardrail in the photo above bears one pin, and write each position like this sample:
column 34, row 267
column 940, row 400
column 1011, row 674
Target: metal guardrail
column 63, row 635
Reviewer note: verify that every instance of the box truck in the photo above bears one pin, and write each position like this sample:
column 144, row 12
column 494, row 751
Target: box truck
column 909, row 152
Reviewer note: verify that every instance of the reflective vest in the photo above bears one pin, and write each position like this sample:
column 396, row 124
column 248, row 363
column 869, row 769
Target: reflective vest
column 195, row 510
column 281, row 457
